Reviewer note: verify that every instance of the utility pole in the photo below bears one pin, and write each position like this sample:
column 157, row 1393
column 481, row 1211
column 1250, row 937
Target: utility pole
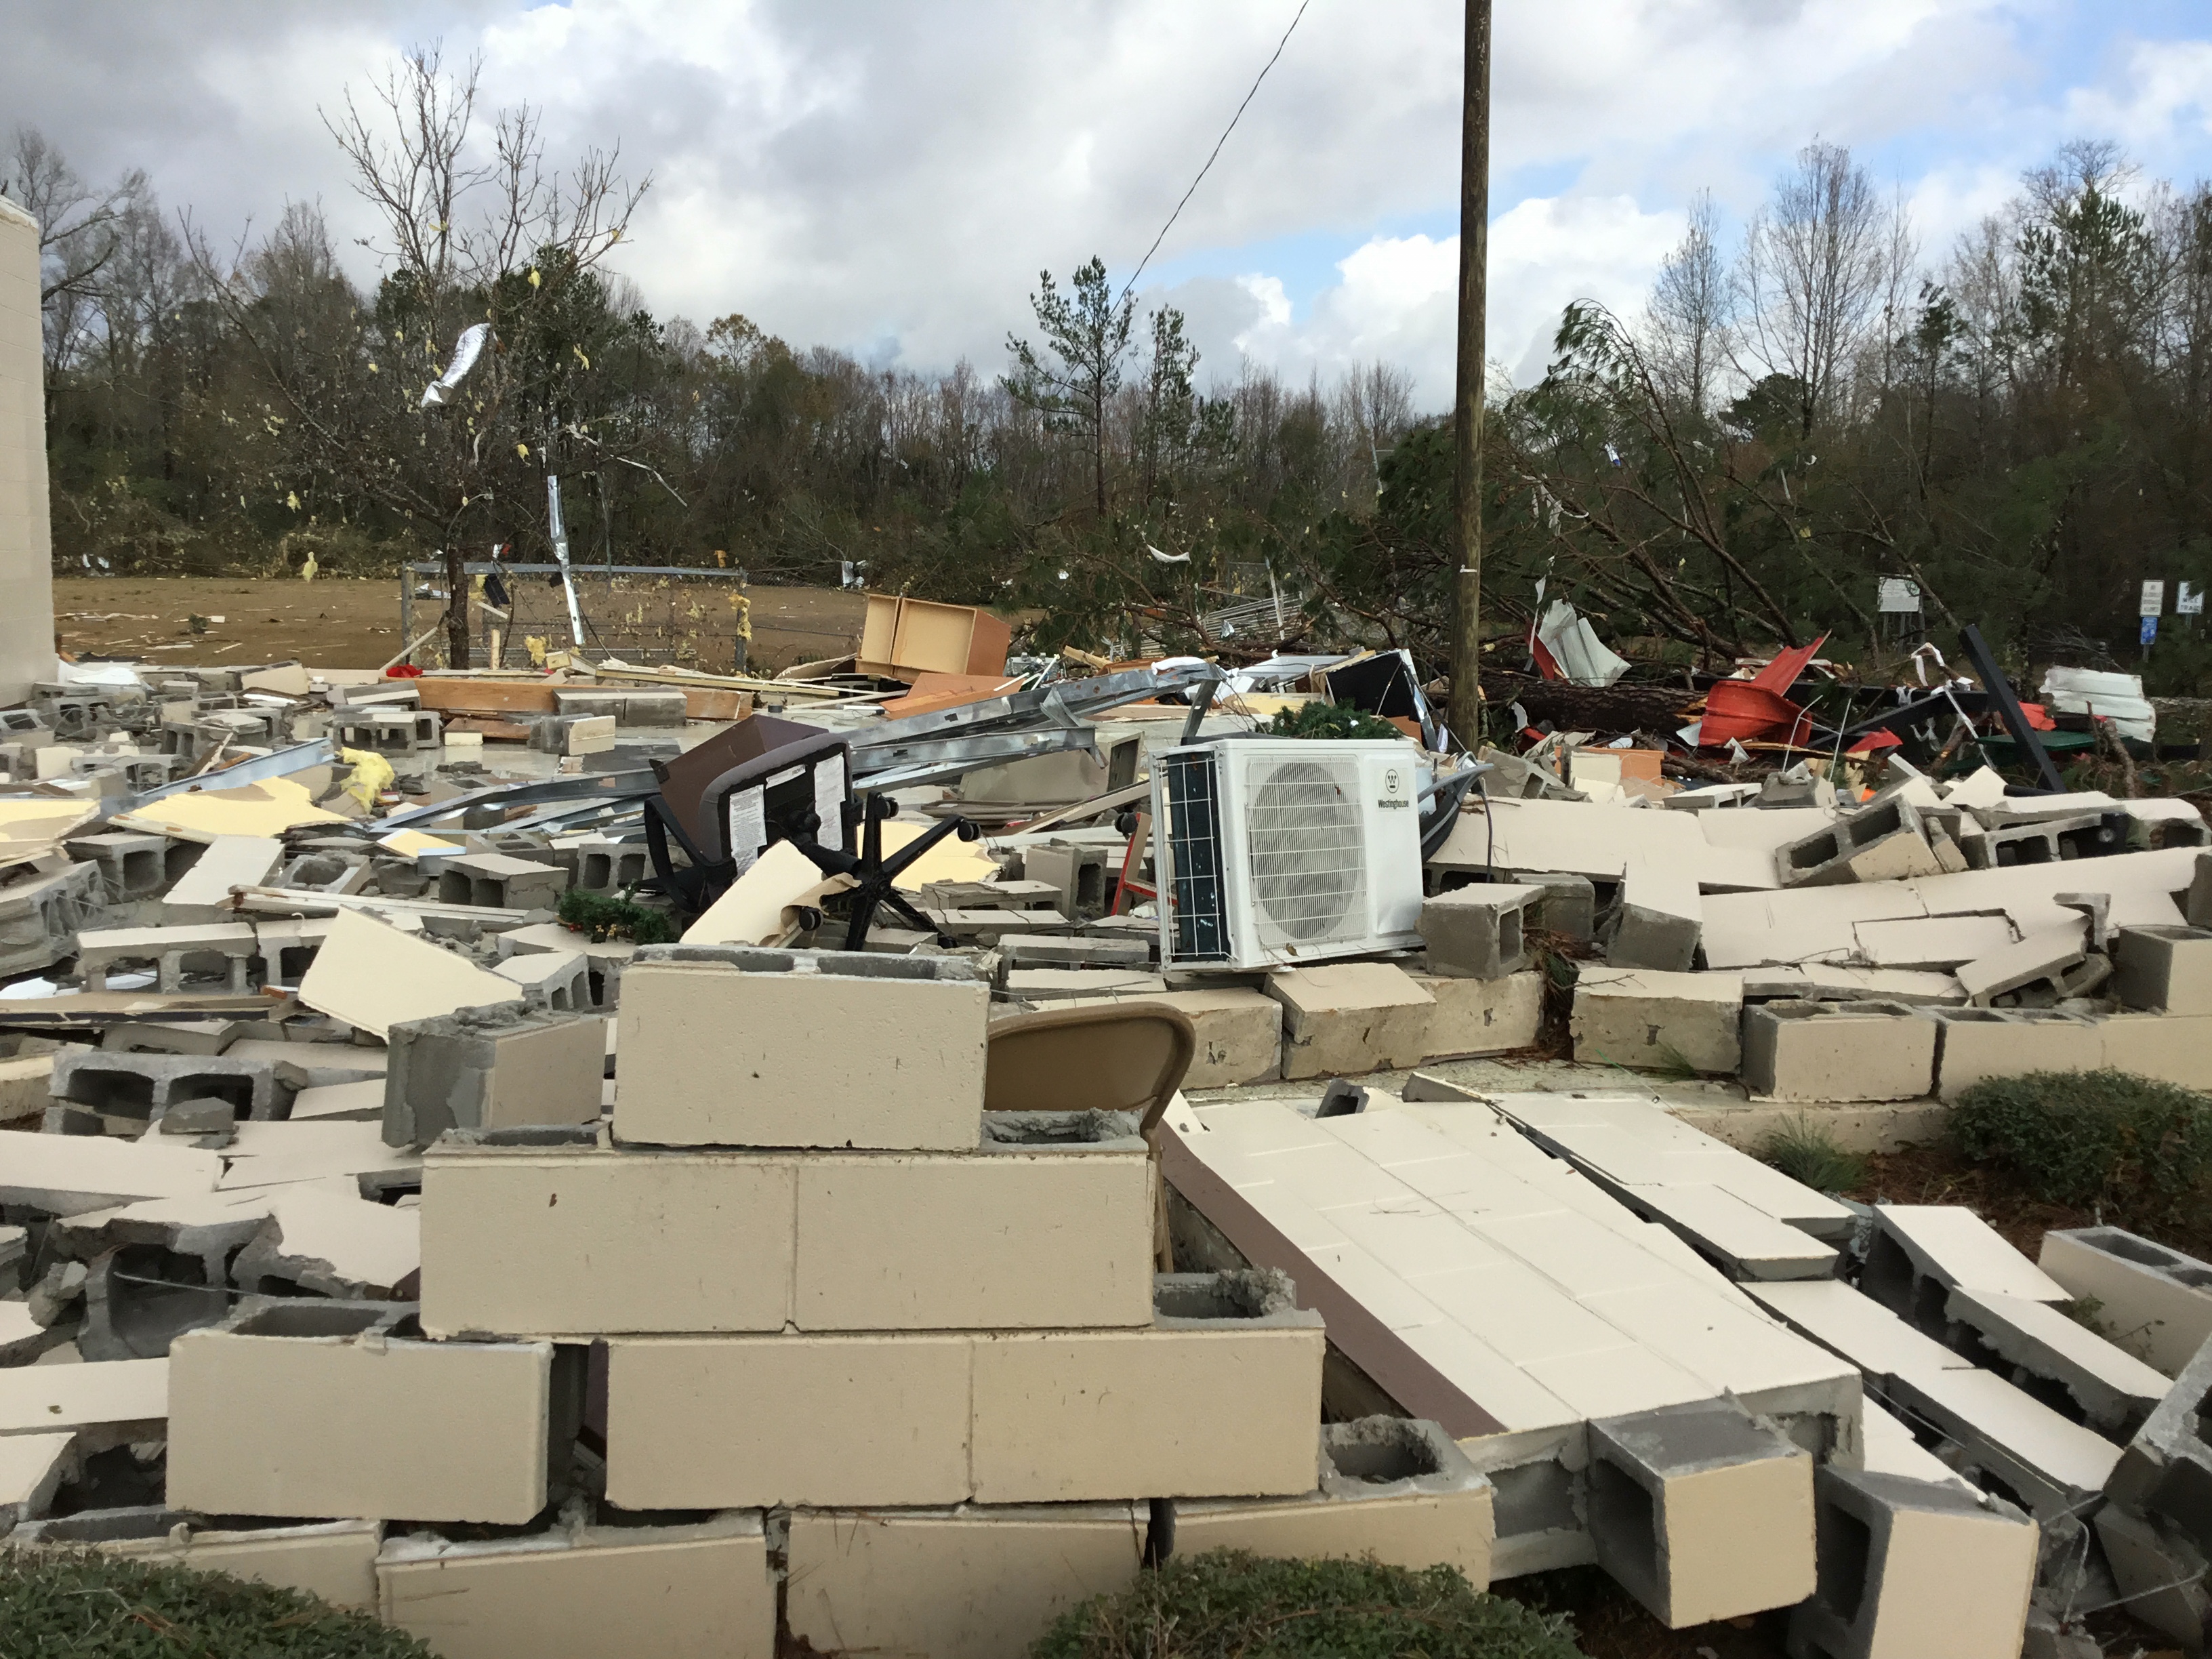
column 1467, row 417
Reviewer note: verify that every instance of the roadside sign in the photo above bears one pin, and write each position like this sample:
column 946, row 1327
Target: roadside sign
column 1898, row 596
column 2153, row 599
column 2149, row 631
column 2188, row 599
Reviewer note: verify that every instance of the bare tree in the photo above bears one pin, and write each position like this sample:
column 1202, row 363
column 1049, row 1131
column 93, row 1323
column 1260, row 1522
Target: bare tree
column 1689, row 316
column 78, row 226
column 1810, row 283
column 1372, row 408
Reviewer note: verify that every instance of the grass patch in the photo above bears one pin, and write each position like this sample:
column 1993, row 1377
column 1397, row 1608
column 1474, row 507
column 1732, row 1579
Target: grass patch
column 89, row 1603
column 2139, row 1153
column 1228, row 1602
column 605, row 918
column 1809, row 1152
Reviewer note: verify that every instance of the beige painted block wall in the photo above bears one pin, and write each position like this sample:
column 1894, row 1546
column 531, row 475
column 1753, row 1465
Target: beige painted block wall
column 27, row 581
column 335, row 1560
column 1414, row 1530
column 690, row 1592
column 981, row 1584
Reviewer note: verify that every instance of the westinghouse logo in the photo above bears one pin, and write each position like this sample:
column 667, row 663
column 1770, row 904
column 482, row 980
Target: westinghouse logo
column 1395, row 785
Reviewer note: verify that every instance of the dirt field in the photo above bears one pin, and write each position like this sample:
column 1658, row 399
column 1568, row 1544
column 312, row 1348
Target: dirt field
column 338, row 623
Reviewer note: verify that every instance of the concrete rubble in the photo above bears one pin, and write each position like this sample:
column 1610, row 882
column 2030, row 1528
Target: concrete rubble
column 560, row 1221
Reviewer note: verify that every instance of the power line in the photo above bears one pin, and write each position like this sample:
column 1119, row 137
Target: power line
column 1218, row 143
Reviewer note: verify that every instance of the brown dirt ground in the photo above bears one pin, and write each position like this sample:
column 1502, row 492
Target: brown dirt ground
column 338, row 622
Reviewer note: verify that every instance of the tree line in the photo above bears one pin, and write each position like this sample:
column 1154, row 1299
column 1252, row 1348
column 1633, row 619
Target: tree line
column 2020, row 425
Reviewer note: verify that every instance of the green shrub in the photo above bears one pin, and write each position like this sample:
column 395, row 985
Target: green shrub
column 1230, row 1603
column 2137, row 1151
column 88, row 1603
column 605, row 918
column 1808, row 1151
column 1326, row 720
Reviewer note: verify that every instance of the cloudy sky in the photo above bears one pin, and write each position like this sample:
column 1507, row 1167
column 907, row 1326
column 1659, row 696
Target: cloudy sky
column 889, row 177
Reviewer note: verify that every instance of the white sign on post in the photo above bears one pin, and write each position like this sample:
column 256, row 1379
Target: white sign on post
column 2153, row 599
column 2188, row 599
column 1898, row 596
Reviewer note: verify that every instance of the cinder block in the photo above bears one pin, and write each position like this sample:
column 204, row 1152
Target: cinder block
column 2166, row 1469
column 1016, row 1237
column 499, row 882
column 1913, row 1567
column 2155, row 1302
column 1220, row 1399
column 1482, row 1016
column 605, row 865
column 495, row 1067
column 1635, row 1017
column 1883, row 842
column 685, row 1592
column 859, row 1421
column 2159, row 1573
column 1056, row 985
column 570, row 1242
column 1701, row 1512
column 2046, row 1351
column 332, row 1560
column 981, row 1583
column 2052, row 961
column 2165, row 969
column 559, row 980
column 133, row 865
column 1396, row 1488
column 1476, row 932
column 1077, row 875
column 304, row 1409
column 1975, row 1044
column 1566, row 905
column 730, row 1047
column 1837, row 1051
column 143, row 1085
column 1659, row 919
column 1345, row 1018
column 1240, row 1033
column 1918, row 1254
column 2170, row 1047
column 1135, row 953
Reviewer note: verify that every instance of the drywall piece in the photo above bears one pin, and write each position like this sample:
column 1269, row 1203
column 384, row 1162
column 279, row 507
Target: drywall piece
column 1041, row 1237
column 1976, row 1044
column 1837, row 1051
column 1882, row 841
column 568, row 1241
column 2169, row 1047
column 1479, row 1280
column 333, row 1103
column 70, row 1175
column 1919, row 1253
column 1476, row 931
column 1564, row 835
column 981, row 1583
column 254, row 810
column 840, row 1421
column 1658, row 919
column 104, row 1405
column 372, row 976
column 273, row 1154
column 32, row 1469
column 1240, row 1033
column 1346, row 1018
column 2155, row 1302
column 725, row 1046
column 1701, row 1512
column 1911, row 1567
column 2053, row 1464
column 1221, row 1399
column 294, row 1409
column 203, row 893
column 1637, row 1017
column 332, row 1560
column 2037, row 1344
column 701, row 1591
column 1396, row 1488
column 330, row 1244
column 2165, row 969
column 1481, row 1015
column 495, row 1067
column 2042, row 957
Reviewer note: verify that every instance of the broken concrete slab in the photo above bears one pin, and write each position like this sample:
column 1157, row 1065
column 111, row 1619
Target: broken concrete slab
column 292, row 1408
column 333, row 1245
column 1636, row 1016
column 356, row 1103
column 1837, row 1051
column 32, row 1469
column 69, row 1175
column 1919, row 1253
column 2039, row 1347
column 1658, row 920
column 2153, row 1301
column 584, row 1592
column 1056, row 985
column 1908, row 1567
column 2166, row 1469
column 372, row 976
column 2047, row 958
column 1474, row 1016
column 1476, row 931
column 1932, row 943
column 1345, row 1018
column 274, row 1154
column 495, row 1067
column 727, row 1046
column 104, row 1405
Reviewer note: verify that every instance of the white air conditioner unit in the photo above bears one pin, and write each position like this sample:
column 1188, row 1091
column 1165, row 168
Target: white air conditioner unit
column 1273, row 852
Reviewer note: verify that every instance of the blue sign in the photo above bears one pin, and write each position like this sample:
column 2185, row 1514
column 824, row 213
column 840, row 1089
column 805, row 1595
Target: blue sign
column 2149, row 629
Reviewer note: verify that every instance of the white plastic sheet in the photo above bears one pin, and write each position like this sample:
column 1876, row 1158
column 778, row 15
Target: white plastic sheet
column 2115, row 697
column 1575, row 646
